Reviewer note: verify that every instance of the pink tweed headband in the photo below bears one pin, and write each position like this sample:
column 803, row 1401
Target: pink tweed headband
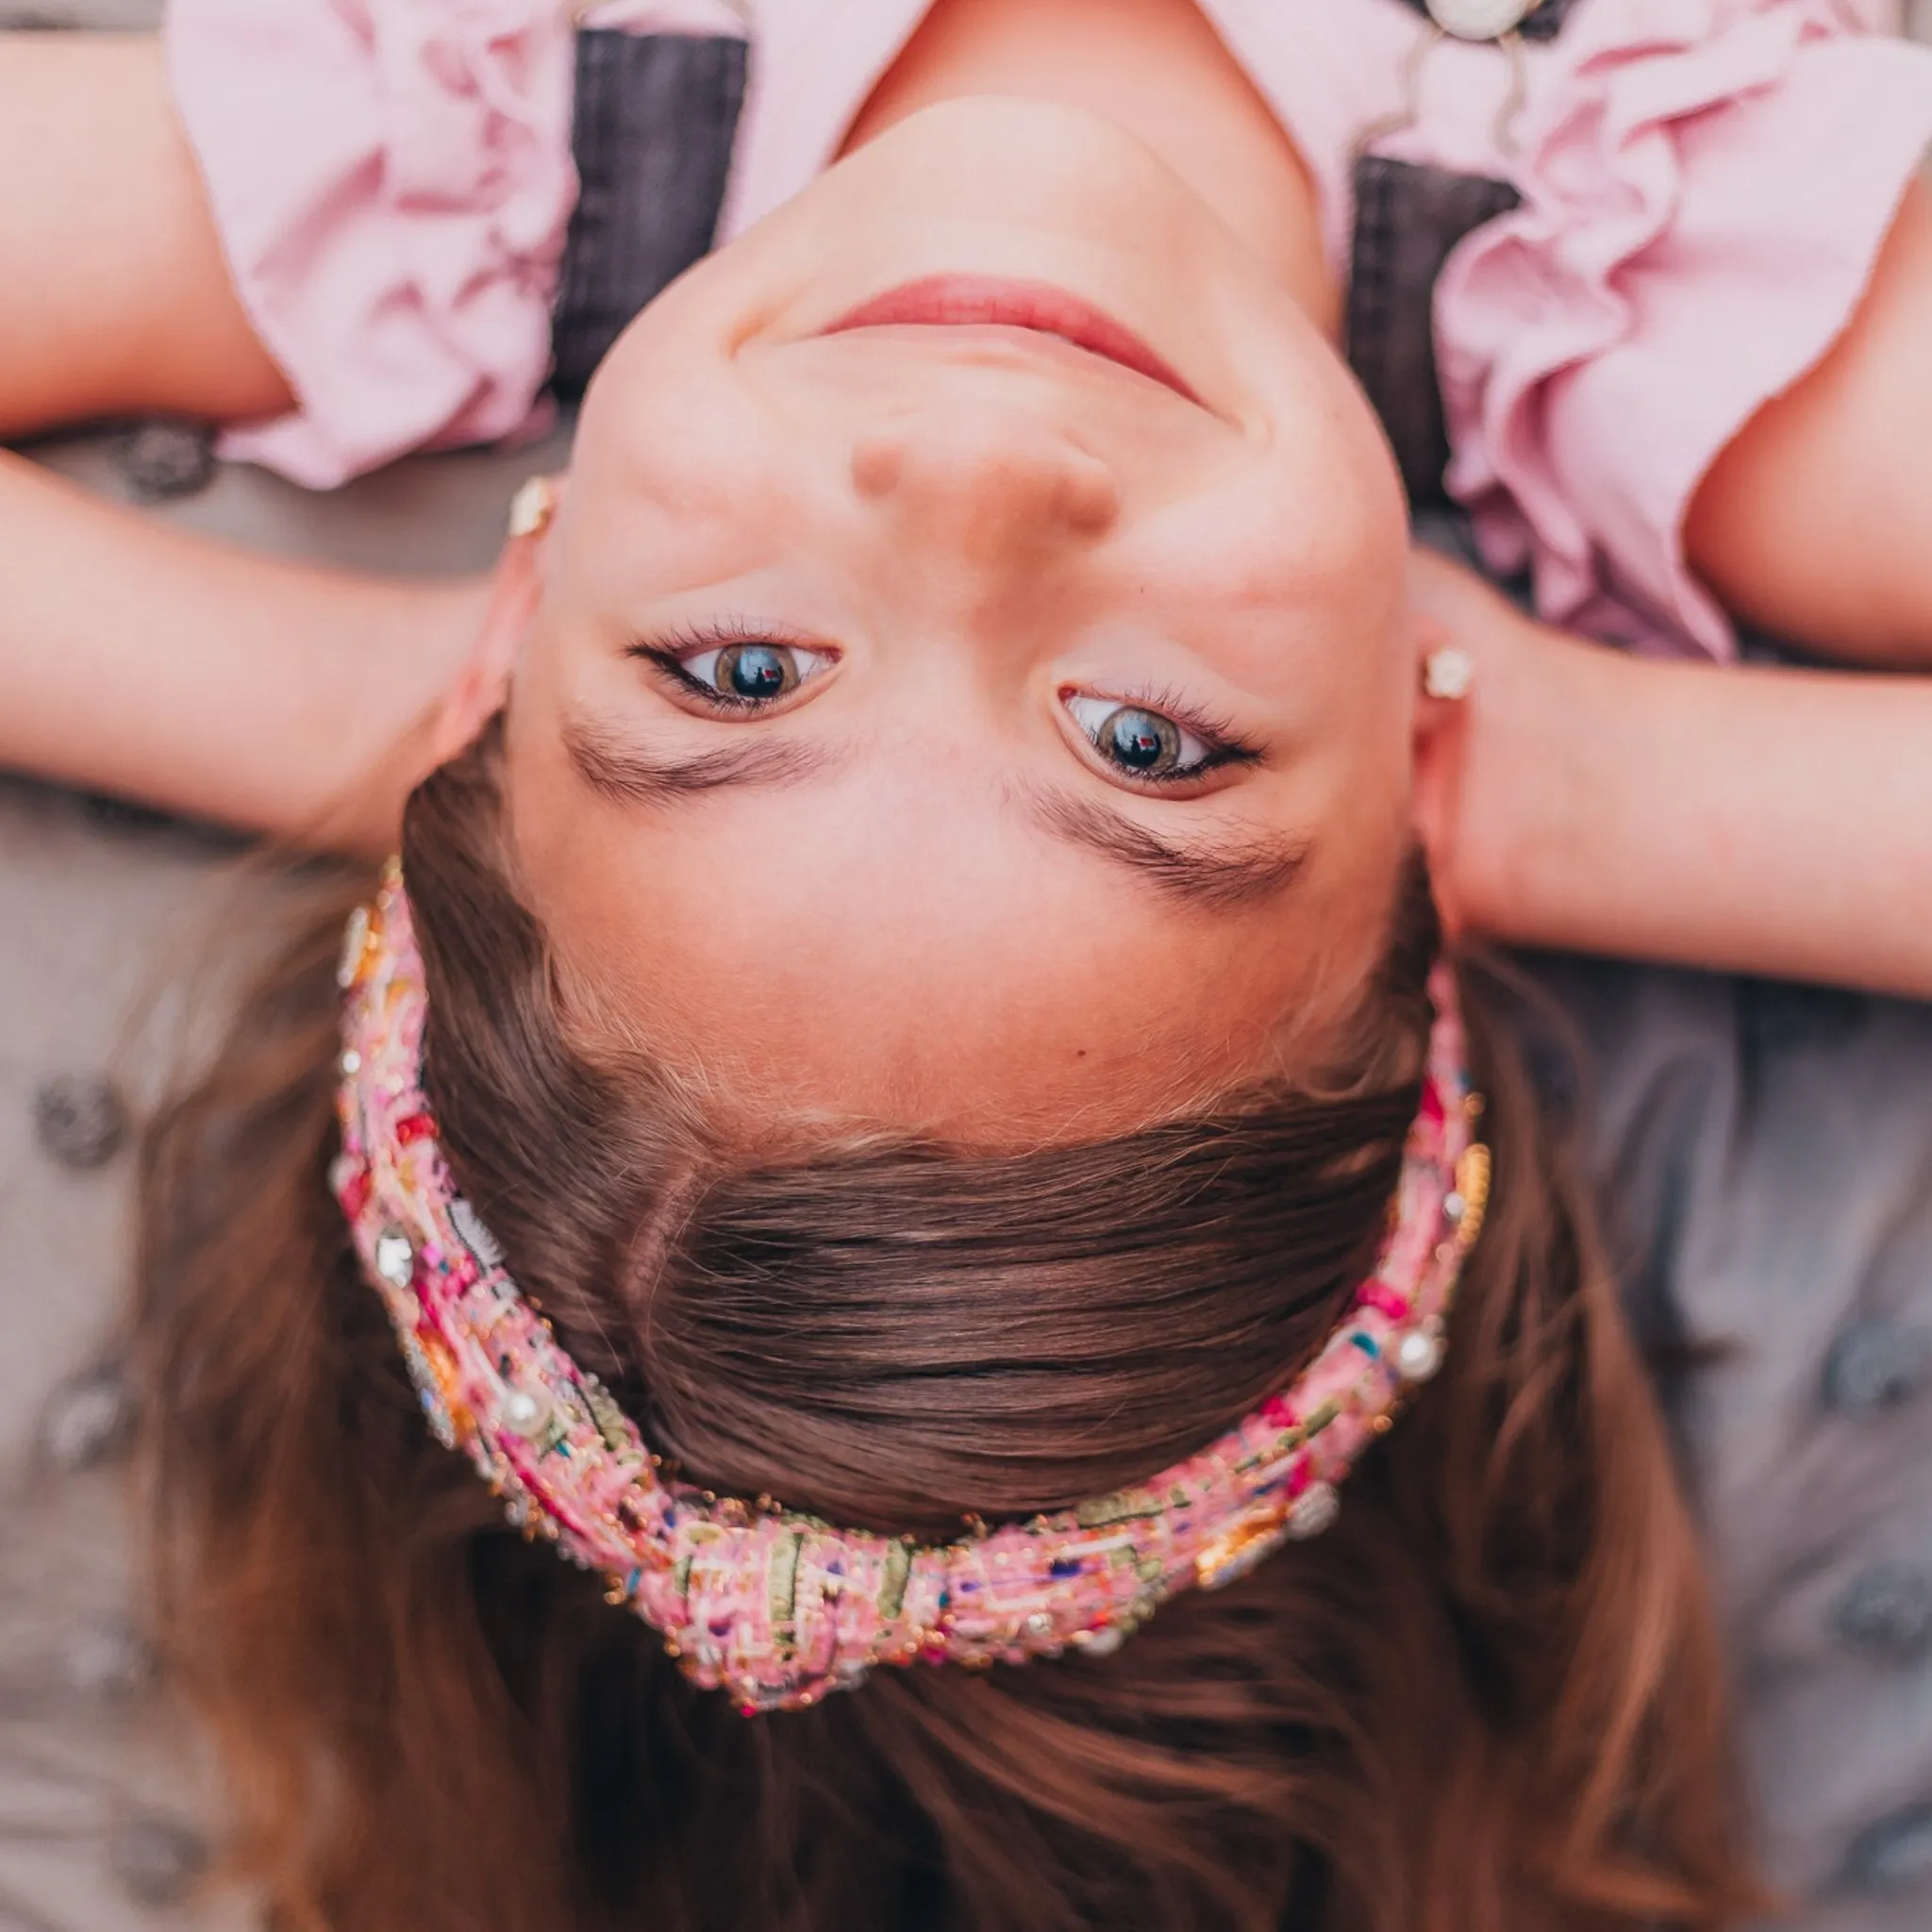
column 778, row 1608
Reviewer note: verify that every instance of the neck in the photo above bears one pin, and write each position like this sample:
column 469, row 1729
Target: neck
column 1158, row 69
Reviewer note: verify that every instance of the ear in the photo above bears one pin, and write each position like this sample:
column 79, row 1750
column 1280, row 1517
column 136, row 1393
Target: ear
column 1441, row 741
column 482, row 685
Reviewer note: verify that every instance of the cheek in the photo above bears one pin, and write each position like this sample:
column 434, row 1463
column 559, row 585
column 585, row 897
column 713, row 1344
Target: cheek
column 1298, row 592
column 679, row 461
column 1305, row 547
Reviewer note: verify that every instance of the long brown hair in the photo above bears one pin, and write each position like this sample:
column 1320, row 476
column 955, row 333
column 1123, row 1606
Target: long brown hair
column 1488, row 1698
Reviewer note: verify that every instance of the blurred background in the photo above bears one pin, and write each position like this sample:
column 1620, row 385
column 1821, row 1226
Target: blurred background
column 103, row 910
column 102, row 906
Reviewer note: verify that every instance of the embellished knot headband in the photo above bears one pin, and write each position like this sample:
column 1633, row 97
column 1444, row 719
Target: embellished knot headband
column 778, row 1608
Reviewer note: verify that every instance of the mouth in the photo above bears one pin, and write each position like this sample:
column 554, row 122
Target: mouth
column 988, row 302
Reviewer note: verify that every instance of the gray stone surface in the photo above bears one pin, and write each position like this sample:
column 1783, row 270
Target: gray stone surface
column 91, row 916
column 100, row 912
column 107, row 920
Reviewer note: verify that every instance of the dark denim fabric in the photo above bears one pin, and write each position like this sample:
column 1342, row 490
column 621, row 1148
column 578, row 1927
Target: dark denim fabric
column 652, row 132
column 1408, row 220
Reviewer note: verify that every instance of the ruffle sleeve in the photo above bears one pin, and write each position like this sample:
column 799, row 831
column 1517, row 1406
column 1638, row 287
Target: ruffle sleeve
column 1707, row 190
column 392, row 181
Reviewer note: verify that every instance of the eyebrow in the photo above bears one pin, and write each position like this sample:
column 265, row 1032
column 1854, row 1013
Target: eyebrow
column 1217, row 877
column 627, row 774
column 1221, row 877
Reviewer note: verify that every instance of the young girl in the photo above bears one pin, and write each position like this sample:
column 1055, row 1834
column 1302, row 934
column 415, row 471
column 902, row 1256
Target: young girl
column 921, row 1006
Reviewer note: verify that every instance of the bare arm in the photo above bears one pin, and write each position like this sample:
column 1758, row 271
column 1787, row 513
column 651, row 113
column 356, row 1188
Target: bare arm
column 134, row 657
column 1816, row 522
column 113, row 294
column 1752, row 820
column 1774, row 822
column 264, row 694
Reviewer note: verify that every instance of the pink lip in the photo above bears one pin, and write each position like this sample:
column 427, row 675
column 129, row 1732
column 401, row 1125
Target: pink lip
column 985, row 301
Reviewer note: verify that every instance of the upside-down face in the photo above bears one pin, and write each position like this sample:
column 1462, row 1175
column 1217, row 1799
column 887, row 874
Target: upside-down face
column 972, row 688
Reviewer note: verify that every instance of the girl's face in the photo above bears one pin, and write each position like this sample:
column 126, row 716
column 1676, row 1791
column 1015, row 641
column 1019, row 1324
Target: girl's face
column 932, row 719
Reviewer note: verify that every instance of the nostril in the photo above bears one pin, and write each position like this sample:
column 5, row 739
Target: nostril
column 878, row 462
column 999, row 471
column 1090, row 499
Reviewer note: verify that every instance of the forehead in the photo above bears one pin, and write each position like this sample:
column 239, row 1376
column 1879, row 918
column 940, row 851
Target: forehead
column 888, row 942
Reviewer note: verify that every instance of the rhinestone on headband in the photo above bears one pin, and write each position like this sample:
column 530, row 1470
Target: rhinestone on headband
column 777, row 1607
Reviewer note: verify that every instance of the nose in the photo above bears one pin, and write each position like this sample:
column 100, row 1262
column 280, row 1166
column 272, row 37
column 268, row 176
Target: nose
column 988, row 480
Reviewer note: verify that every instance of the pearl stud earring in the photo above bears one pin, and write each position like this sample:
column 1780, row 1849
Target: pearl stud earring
column 532, row 507
column 1449, row 673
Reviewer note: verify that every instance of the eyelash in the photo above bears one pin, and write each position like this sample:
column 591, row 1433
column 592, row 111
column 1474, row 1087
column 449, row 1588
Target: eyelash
column 667, row 652
column 1224, row 744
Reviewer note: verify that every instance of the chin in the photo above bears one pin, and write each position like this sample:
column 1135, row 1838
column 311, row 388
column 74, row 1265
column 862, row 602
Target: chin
column 961, row 171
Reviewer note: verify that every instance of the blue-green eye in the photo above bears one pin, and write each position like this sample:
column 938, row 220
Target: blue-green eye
column 1141, row 740
column 750, row 674
column 1139, row 743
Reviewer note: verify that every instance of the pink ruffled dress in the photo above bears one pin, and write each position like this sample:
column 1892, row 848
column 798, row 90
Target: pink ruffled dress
column 1706, row 186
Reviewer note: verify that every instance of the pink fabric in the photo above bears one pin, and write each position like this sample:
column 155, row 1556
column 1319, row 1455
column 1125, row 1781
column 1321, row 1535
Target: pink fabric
column 390, row 188
column 1704, row 201
column 1706, row 185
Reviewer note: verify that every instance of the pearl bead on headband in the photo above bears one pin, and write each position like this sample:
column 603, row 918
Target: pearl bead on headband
column 778, row 1608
